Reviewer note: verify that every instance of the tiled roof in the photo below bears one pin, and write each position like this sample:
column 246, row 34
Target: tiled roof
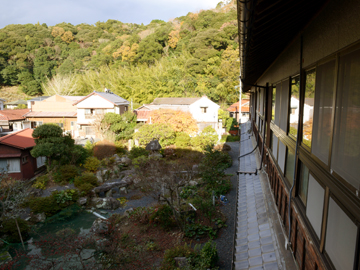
column 113, row 98
column 235, row 107
column 9, row 115
column 21, row 139
column 51, row 114
column 175, row 101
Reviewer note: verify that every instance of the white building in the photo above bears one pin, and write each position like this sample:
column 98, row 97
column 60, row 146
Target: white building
column 94, row 105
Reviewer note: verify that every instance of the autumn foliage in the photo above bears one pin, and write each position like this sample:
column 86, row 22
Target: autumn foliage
column 180, row 121
column 104, row 149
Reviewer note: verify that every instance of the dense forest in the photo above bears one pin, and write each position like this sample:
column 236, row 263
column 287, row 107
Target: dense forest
column 192, row 55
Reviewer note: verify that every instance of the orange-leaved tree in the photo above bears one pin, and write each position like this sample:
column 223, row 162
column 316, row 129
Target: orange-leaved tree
column 180, row 121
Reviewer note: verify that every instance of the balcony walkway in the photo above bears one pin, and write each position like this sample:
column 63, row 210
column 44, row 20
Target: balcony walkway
column 259, row 239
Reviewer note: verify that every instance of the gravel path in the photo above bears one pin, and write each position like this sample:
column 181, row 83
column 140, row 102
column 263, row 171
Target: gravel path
column 224, row 242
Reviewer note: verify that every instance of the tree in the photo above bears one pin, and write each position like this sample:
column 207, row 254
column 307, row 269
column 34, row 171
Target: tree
column 180, row 121
column 52, row 143
column 122, row 125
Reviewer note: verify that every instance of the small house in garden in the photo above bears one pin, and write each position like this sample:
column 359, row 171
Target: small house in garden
column 15, row 157
column 202, row 109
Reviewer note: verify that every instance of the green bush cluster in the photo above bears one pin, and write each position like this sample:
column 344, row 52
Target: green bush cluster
column 207, row 137
column 66, row 174
column 41, row 182
column 136, row 152
column 229, row 138
column 54, row 203
column 163, row 216
column 86, row 182
column 91, row 164
column 141, row 214
column 9, row 229
column 183, row 140
column 205, row 257
column 160, row 131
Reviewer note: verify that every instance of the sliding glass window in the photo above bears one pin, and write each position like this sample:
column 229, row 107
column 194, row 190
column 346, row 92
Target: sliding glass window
column 308, row 111
column 273, row 103
column 294, row 106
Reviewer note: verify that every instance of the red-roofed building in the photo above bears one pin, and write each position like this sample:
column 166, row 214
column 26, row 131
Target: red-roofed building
column 13, row 120
column 245, row 110
column 15, row 157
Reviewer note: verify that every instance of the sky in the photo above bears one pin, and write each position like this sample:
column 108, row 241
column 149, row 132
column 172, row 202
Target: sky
column 75, row 12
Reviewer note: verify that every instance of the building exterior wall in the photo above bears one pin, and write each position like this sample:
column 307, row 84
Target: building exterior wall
column 94, row 102
column 211, row 114
column 54, row 104
column 318, row 239
column 68, row 123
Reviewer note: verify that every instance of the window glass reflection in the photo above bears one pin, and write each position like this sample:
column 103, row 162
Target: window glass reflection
column 294, row 106
column 309, row 107
column 273, row 104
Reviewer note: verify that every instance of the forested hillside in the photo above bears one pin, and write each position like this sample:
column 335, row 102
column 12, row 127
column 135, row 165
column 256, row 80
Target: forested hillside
column 191, row 55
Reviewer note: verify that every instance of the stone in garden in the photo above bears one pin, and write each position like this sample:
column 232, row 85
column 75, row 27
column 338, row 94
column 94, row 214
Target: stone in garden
column 99, row 176
column 40, row 217
column 109, row 193
column 154, row 145
column 195, row 168
column 125, row 160
column 106, row 203
column 117, row 158
column 100, row 226
column 123, row 190
column 181, row 262
column 107, row 186
column 156, row 155
column 82, row 200
column 127, row 212
column 193, row 183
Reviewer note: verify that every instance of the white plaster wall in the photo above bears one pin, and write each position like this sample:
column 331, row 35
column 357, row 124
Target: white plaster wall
column 1, row 105
column 95, row 102
column 211, row 114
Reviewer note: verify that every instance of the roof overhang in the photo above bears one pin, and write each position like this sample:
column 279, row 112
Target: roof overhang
column 266, row 28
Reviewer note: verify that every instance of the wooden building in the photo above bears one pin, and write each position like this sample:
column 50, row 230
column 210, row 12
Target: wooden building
column 300, row 61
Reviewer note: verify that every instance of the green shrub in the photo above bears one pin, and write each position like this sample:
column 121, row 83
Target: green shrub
column 9, row 229
column 89, row 146
column 160, row 131
column 208, row 257
column 66, row 173
column 86, row 182
column 136, row 152
column 41, row 182
column 64, row 196
column 139, row 161
column 141, row 214
column 182, row 140
column 229, row 138
column 91, row 164
column 207, row 137
column 47, row 205
column 178, row 251
column 163, row 216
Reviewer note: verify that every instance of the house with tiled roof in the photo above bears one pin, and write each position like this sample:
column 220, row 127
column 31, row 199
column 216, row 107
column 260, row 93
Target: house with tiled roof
column 13, row 120
column 234, row 110
column 15, row 157
column 56, row 110
column 203, row 110
column 94, row 106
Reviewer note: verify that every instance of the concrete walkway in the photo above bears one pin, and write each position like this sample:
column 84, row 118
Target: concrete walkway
column 259, row 240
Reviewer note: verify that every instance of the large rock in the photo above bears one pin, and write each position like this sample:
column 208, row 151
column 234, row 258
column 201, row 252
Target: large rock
column 108, row 203
column 82, row 200
column 117, row 158
column 100, row 226
column 107, row 186
column 125, row 160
